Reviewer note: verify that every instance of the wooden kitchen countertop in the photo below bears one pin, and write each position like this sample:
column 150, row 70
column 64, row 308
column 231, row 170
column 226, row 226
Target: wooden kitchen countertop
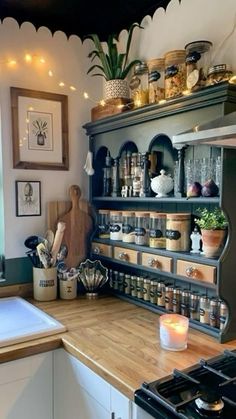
column 117, row 340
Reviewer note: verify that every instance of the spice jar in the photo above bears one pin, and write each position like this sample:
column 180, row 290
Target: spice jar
column 133, row 286
column 185, row 303
column 197, row 63
column 156, row 80
column 175, row 73
column 214, row 312
column 128, row 226
column 176, row 299
column 169, row 298
column 157, row 233
column 104, row 224
column 115, row 225
column 194, row 306
column 178, row 232
column 140, row 287
column 223, row 314
column 218, row 74
column 161, row 292
column 141, row 228
column 146, row 289
column 153, row 292
column 127, row 284
column 139, row 85
column 204, row 309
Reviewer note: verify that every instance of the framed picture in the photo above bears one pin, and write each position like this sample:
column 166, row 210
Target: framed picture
column 39, row 130
column 28, row 198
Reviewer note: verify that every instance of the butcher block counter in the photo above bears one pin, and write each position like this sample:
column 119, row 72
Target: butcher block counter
column 117, row 340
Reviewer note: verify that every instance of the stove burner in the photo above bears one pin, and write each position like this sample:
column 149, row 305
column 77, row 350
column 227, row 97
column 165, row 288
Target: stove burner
column 216, row 406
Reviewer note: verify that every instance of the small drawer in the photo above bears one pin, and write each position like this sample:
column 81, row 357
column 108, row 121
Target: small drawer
column 162, row 263
column 196, row 271
column 101, row 249
column 125, row 255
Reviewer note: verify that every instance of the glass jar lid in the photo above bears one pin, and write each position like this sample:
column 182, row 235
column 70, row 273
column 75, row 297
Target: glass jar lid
column 198, row 46
column 156, row 64
column 177, row 55
column 178, row 216
column 141, row 68
column 219, row 68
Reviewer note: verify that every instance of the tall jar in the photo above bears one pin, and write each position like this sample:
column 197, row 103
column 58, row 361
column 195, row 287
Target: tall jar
column 141, row 228
column 157, row 232
column 128, row 226
column 175, row 73
column 104, row 224
column 197, row 63
column 156, row 80
column 178, row 232
column 139, row 85
column 115, row 225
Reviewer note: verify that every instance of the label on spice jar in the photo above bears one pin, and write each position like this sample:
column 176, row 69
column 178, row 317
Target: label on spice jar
column 116, row 231
column 173, row 234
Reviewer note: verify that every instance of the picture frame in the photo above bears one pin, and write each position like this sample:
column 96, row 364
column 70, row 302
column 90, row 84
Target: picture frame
column 28, row 198
column 39, row 130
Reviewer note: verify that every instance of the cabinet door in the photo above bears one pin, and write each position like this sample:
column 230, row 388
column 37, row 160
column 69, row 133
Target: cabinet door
column 138, row 413
column 79, row 393
column 26, row 388
column 120, row 405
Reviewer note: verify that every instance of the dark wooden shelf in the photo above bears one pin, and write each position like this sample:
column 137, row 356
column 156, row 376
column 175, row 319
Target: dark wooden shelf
column 170, row 200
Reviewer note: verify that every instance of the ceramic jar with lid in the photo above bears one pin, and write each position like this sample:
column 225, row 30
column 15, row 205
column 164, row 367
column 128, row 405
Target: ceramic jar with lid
column 197, row 62
column 162, row 184
column 139, row 85
column 156, row 87
column 178, row 232
column 175, row 73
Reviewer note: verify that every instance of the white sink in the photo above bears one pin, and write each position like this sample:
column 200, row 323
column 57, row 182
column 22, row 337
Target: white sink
column 21, row 321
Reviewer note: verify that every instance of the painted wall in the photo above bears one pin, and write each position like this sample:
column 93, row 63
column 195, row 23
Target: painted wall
column 212, row 20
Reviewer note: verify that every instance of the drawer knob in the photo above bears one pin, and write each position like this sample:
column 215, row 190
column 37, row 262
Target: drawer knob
column 123, row 256
column 191, row 271
column 153, row 263
column 97, row 250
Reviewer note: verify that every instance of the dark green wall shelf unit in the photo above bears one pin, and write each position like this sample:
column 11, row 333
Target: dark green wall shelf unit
column 154, row 126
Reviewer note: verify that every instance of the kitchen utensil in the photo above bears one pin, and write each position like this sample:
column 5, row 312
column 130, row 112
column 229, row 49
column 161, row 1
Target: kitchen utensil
column 44, row 256
column 63, row 252
column 54, row 211
column 32, row 242
column 49, row 237
column 78, row 227
column 61, row 226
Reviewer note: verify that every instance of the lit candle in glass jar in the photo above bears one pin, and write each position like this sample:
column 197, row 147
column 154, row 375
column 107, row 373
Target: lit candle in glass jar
column 173, row 332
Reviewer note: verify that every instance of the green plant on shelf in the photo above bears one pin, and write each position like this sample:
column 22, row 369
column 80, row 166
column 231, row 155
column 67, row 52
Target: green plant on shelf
column 211, row 220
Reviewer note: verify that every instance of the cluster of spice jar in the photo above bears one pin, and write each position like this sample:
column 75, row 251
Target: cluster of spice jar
column 170, row 231
column 179, row 70
column 206, row 310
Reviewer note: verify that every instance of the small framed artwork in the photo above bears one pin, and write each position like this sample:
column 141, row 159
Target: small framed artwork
column 39, row 130
column 28, row 198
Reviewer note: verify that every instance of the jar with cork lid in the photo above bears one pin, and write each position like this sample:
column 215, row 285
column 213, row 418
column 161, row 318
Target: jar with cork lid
column 115, row 225
column 128, row 226
column 157, row 233
column 156, row 79
column 175, row 73
column 139, row 85
column 141, row 228
column 178, row 227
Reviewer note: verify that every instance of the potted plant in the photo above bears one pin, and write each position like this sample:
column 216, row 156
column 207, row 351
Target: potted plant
column 113, row 66
column 213, row 225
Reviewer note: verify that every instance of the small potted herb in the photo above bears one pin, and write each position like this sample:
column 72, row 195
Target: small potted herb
column 213, row 225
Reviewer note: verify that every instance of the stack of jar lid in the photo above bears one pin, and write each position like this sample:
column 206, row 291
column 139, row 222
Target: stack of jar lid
column 155, row 229
column 192, row 304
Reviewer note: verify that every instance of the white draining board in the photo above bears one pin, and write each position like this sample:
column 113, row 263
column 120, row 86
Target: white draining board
column 21, row 321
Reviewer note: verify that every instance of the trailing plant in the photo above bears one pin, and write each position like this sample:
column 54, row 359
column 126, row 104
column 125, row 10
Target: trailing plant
column 113, row 65
column 211, row 220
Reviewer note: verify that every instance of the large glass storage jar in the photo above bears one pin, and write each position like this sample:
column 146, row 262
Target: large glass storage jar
column 175, row 73
column 157, row 232
column 115, row 225
column 128, row 226
column 178, row 232
column 139, row 85
column 141, row 228
column 197, row 62
column 104, row 224
column 156, row 80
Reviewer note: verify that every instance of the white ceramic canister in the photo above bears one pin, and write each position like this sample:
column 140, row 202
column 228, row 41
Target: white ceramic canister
column 45, row 284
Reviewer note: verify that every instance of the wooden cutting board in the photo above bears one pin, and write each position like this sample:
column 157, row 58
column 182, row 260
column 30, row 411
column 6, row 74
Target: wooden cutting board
column 77, row 215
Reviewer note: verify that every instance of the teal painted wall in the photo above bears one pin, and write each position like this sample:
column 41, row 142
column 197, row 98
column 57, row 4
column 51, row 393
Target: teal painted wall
column 18, row 271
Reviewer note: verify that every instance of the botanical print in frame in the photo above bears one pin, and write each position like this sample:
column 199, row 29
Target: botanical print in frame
column 28, row 198
column 39, row 130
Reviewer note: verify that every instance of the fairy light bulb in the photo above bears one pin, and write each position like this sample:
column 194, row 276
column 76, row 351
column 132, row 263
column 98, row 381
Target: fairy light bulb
column 86, row 96
column 61, row 84
column 12, row 63
column 73, row 88
column 42, row 60
column 102, row 102
column 50, row 73
column 28, row 58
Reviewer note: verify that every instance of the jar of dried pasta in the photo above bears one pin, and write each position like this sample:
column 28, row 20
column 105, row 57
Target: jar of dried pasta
column 139, row 85
column 175, row 73
column 178, row 232
column 157, row 232
column 156, row 69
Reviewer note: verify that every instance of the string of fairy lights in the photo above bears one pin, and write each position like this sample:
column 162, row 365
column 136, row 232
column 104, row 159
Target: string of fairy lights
column 35, row 59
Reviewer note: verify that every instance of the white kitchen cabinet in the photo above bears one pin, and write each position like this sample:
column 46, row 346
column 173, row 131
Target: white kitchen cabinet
column 138, row 413
column 26, row 388
column 79, row 393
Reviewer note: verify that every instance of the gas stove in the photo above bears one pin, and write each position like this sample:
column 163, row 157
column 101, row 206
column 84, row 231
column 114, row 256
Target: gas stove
column 205, row 390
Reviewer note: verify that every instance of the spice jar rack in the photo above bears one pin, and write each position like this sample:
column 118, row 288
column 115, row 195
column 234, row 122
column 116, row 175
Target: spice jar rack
column 150, row 129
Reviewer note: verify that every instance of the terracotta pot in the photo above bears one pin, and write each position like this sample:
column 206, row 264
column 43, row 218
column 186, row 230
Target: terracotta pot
column 117, row 88
column 213, row 242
